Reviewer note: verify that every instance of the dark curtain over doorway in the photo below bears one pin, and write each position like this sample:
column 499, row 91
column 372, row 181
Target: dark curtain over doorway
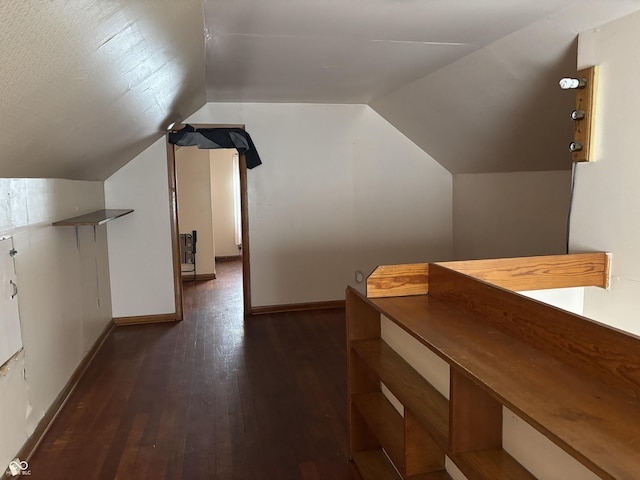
column 209, row 138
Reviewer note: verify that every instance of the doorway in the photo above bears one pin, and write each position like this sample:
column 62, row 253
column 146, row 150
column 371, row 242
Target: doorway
column 175, row 233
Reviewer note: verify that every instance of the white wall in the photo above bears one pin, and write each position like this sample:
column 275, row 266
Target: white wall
column 510, row 214
column 340, row 190
column 570, row 299
column 194, row 204
column 140, row 258
column 64, row 296
column 402, row 198
column 222, row 196
column 607, row 200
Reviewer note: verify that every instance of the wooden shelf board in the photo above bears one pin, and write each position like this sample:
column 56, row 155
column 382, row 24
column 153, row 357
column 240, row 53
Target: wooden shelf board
column 398, row 280
column 374, row 465
column 539, row 273
column 578, row 413
column 490, row 464
column 440, row 475
column 597, row 350
column 385, row 422
column 413, row 391
column 91, row 219
column 523, row 273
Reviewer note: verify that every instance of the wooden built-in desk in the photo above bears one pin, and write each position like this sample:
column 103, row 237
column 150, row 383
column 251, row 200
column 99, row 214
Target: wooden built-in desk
column 575, row 381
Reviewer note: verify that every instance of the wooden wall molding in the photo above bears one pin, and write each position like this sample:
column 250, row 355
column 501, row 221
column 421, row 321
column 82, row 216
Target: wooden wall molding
column 199, row 277
column 143, row 319
column 228, row 258
column 297, row 307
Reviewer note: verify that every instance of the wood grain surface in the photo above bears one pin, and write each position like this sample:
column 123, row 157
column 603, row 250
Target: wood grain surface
column 214, row 396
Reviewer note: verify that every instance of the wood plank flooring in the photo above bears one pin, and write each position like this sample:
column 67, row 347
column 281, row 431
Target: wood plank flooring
column 213, row 397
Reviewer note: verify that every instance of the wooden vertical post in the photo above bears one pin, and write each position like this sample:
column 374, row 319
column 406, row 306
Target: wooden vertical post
column 584, row 128
column 475, row 421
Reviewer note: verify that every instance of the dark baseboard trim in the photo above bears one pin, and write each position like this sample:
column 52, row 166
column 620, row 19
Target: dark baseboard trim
column 297, row 307
column 200, row 277
column 29, row 447
column 230, row 258
column 143, row 319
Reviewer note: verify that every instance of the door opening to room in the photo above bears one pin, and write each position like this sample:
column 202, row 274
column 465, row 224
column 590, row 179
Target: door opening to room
column 209, row 220
column 209, row 212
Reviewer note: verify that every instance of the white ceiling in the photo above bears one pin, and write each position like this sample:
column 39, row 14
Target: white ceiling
column 332, row 51
column 472, row 82
column 88, row 84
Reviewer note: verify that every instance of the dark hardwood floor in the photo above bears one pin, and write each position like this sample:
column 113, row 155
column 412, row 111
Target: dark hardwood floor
column 213, row 397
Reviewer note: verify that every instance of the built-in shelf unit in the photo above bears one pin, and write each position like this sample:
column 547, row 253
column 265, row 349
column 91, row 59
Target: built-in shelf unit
column 574, row 380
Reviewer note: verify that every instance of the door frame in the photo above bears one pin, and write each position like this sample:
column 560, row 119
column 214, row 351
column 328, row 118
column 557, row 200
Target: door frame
column 175, row 233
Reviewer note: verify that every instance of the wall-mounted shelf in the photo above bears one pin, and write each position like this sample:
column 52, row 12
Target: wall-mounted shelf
column 99, row 217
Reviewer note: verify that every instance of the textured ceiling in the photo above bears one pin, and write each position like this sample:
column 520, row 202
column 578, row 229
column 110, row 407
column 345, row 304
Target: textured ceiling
column 472, row 82
column 334, row 51
column 88, row 84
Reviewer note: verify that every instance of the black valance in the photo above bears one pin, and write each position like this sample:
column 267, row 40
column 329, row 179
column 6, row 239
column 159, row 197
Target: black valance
column 208, row 138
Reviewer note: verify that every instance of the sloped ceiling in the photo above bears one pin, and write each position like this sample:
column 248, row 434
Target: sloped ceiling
column 500, row 109
column 88, row 84
column 474, row 83
column 332, row 51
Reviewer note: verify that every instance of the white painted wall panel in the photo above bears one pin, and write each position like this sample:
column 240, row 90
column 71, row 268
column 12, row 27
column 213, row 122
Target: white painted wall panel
column 340, row 190
column 63, row 298
column 453, row 471
column 222, row 199
column 569, row 299
column 14, row 401
column 140, row 258
column 537, row 453
column 606, row 203
column 432, row 368
column 498, row 215
column 10, row 335
column 402, row 198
